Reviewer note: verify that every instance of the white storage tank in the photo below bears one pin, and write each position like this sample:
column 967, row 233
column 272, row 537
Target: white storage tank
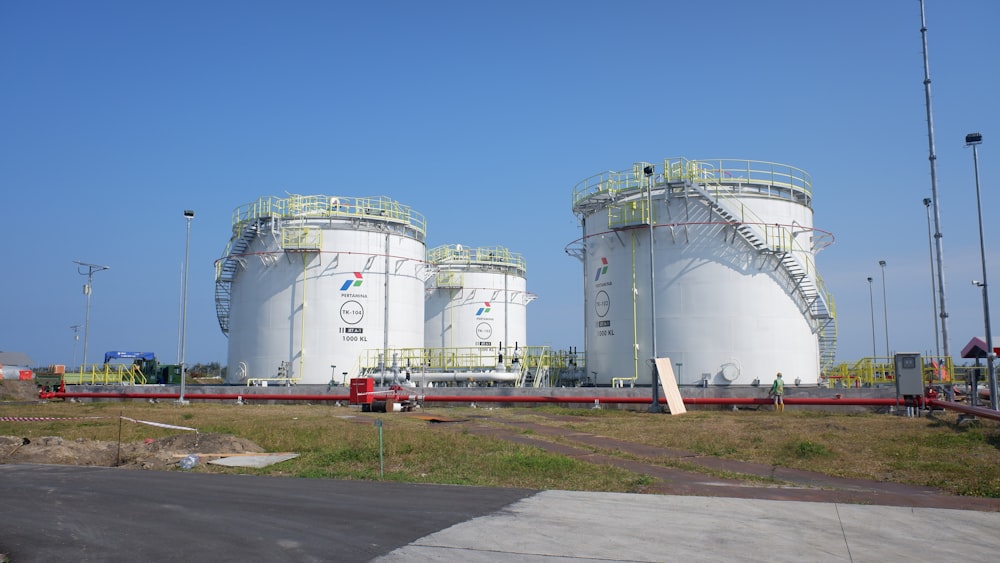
column 476, row 299
column 724, row 252
column 307, row 284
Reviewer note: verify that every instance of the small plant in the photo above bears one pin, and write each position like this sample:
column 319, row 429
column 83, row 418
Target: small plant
column 806, row 449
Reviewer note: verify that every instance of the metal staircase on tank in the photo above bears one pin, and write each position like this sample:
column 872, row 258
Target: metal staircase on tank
column 817, row 302
column 527, row 379
column 534, row 369
column 227, row 267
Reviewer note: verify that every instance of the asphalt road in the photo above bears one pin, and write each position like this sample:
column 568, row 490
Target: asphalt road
column 67, row 513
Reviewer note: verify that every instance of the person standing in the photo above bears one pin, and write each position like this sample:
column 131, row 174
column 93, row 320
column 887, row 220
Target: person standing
column 778, row 393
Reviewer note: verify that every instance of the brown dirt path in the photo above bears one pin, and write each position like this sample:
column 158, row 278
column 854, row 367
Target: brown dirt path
column 787, row 484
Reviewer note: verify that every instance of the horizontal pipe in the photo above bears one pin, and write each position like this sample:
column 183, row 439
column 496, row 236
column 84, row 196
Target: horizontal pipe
column 190, row 396
column 834, row 401
column 967, row 409
column 476, row 398
column 646, row 400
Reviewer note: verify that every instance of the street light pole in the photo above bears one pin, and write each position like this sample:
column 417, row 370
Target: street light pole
column 76, row 338
column 930, row 248
column 91, row 269
column 871, row 307
column 188, row 214
column 655, row 406
column 885, row 310
column 974, row 140
column 932, row 158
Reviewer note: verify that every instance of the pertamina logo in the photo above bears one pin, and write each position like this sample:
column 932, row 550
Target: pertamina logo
column 484, row 309
column 602, row 269
column 356, row 282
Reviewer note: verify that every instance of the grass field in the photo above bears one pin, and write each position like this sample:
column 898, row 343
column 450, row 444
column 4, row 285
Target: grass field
column 342, row 443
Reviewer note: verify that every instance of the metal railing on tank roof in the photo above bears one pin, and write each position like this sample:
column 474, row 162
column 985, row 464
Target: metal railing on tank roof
column 770, row 179
column 481, row 256
column 758, row 177
column 305, row 206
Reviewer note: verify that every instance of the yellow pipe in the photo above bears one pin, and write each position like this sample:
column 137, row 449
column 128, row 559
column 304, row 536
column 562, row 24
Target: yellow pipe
column 635, row 321
column 302, row 316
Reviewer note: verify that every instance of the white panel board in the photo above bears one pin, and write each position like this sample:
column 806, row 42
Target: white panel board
column 669, row 385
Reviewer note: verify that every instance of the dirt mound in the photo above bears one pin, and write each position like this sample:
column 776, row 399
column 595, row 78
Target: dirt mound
column 164, row 453
column 16, row 390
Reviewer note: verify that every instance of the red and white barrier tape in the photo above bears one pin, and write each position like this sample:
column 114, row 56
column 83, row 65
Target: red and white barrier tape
column 159, row 424
column 50, row 418
column 46, row 418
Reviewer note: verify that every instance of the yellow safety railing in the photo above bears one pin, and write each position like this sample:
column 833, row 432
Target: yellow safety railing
column 106, row 374
column 756, row 176
column 320, row 206
column 540, row 364
column 437, row 359
column 481, row 256
column 301, row 238
column 538, row 360
column 634, row 212
column 874, row 371
column 453, row 359
column 768, row 179
column 448, row 279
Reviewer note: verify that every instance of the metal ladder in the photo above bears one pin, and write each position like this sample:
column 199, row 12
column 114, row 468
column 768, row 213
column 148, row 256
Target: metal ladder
column 226, row 268
column 817, row 303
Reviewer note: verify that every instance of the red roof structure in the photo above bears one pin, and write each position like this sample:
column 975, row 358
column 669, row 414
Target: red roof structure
column 976, row 348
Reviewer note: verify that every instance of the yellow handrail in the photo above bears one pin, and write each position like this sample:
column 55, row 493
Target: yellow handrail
column 873, row 371
column 473, row 358
column 106, row 374
column 305, row 206
column 481, row 256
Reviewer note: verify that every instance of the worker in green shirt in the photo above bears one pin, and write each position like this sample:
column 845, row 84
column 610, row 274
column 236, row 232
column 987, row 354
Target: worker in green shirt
column 778, row 391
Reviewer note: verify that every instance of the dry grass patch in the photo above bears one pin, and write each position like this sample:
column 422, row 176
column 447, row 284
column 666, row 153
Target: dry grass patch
column 340, row 442
column 932, row 451
column 333, row 442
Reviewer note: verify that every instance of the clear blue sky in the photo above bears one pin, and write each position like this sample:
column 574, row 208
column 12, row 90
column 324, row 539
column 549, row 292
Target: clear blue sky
column 482, row 116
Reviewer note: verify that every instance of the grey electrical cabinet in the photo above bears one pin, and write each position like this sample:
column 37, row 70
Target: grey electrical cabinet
column 909, row 374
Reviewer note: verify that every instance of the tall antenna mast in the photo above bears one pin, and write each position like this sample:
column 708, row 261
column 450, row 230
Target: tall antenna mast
column 934, row 193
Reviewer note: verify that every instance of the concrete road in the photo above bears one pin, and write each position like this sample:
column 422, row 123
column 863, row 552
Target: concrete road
column 64, row 513
column 569, row 526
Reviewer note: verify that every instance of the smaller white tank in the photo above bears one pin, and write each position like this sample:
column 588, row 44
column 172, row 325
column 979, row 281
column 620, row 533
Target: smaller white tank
column 477, row 298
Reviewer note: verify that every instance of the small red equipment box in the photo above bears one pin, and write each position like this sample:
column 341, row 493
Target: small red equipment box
column 362, row 390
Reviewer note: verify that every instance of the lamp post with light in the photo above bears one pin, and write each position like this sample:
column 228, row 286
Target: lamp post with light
column 871, row 308
column 188, row 214
column 930, row 248
column 91, row 269
column 655, row 406
column 885, row 310
column 76, row 338
column 974, row 140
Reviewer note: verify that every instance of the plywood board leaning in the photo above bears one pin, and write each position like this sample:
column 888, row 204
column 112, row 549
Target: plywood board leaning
column 669, row 385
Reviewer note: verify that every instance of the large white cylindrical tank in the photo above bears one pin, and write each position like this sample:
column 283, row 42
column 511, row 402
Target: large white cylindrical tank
column 715, row 258
column 476, row 299
column 309, row 284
